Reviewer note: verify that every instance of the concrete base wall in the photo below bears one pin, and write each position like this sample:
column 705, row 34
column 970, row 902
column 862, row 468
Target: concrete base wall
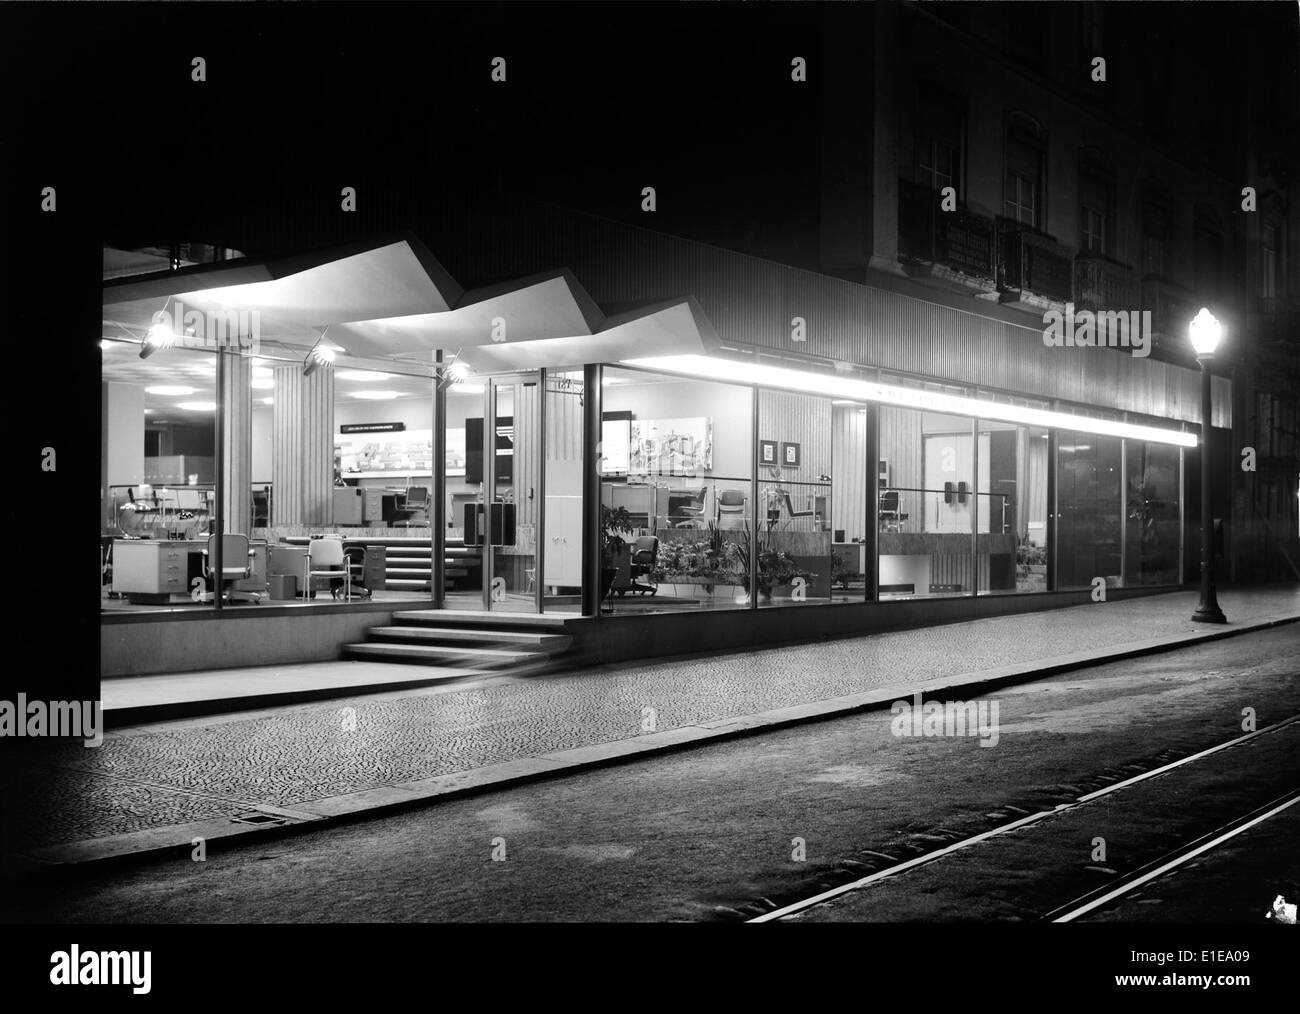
column 180, row 643
column 616, row 639
column 148, row 647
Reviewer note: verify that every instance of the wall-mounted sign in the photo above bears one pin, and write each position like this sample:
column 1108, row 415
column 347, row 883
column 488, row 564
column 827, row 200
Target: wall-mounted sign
column 393, row 427
column 408, row 454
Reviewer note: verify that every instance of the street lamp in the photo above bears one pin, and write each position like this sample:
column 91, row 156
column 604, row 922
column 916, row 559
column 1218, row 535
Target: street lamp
column 1205, row 332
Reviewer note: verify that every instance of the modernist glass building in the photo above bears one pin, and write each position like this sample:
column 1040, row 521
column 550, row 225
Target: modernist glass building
column 663, row 444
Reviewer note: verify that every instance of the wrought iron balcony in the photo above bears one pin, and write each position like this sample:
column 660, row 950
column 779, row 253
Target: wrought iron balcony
column 1103, row 284
column 1172, row 309
column 1033, row 269
column 959, row 240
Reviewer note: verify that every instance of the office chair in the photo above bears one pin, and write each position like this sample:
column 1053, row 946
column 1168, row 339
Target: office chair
column 891, row 519
column 356, row 561
column 416, row 501
column 645, row 556
column 236, row 565
column 325, row 558
column 789, row 508
column 731, row 506
column 685, row 512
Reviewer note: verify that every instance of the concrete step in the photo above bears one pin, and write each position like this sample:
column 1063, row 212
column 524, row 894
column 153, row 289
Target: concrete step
column 551, row 644
column 467, row 618
column 451, row 656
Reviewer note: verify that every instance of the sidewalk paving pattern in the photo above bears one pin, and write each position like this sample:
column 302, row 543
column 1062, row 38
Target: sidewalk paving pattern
column 181, row 772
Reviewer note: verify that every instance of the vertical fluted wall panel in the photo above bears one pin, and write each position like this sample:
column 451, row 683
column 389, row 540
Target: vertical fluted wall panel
column 849, row 472
column 237, row 444
column 303, row 448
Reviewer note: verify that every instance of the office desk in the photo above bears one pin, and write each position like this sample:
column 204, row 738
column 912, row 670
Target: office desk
column 156, row 571
column 163, row 571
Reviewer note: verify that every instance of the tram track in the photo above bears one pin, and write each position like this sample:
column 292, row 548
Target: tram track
column 1092, row 899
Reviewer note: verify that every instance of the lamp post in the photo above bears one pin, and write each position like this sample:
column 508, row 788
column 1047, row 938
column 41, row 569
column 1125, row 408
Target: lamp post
column 1205, row 332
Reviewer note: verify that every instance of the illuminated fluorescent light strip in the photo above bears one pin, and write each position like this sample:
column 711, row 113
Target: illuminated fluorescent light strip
column 830, row 385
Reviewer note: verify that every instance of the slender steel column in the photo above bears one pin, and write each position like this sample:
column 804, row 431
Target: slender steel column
column 438, row 491
column 753, row 520
column 489, row 487
column 591, row 534
column 539, row 535
column 975, row 508
column 219, row 483
column 1053, row 513
column 872, row 551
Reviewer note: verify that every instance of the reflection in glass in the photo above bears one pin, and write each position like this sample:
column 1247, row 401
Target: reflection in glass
column 1152, row 520
column 1088, row 495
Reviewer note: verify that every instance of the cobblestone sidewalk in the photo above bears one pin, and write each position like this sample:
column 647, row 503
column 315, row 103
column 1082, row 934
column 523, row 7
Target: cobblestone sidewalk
column 186, row 771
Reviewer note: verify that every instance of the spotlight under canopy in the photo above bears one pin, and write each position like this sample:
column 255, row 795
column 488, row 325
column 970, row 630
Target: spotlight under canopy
column 160, row 336
column 318, row 356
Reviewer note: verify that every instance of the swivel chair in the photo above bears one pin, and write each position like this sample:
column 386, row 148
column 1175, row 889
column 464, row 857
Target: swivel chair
column 415, row 502
column 355, row 557
column 645, row 557
column 236, row 565
column 686, row 512
column 791, row 512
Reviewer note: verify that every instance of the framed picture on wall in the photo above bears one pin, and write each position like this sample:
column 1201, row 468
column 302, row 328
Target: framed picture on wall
column 767, row 452
column 789, row 455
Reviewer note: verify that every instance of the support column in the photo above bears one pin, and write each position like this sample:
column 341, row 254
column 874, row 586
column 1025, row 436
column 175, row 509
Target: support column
column 236, row 443
column 121, row 449
column 1053, row 508
column 438, row 491
column 302, row 427
column 872, row 530
column 591, row 532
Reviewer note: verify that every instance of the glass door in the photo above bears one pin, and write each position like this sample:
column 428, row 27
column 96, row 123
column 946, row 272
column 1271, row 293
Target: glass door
column 509, row 518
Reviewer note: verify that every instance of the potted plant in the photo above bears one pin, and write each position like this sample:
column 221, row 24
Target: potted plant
column 775, row 567
column 704, row 563
column 613, row 520
column 1031, row 566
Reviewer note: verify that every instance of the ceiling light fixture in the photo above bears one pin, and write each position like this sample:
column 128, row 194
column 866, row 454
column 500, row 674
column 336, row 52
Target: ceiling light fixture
column 362, row 376
column 318, row 356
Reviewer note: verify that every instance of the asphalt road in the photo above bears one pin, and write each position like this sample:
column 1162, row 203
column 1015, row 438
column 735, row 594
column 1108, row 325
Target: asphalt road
column 729, row 830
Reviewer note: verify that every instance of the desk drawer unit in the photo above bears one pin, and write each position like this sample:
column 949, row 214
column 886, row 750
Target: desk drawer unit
column 153, row 567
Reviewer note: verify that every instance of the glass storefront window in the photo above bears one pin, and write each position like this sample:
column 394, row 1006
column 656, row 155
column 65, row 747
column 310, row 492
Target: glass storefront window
column 159, row 458
column 851, row 463
column 794, row 564
column 1088, row 495
column 1153, row 514
column 377, row 495
column 1011, row 547
column 926, row 514
column 676, row 465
